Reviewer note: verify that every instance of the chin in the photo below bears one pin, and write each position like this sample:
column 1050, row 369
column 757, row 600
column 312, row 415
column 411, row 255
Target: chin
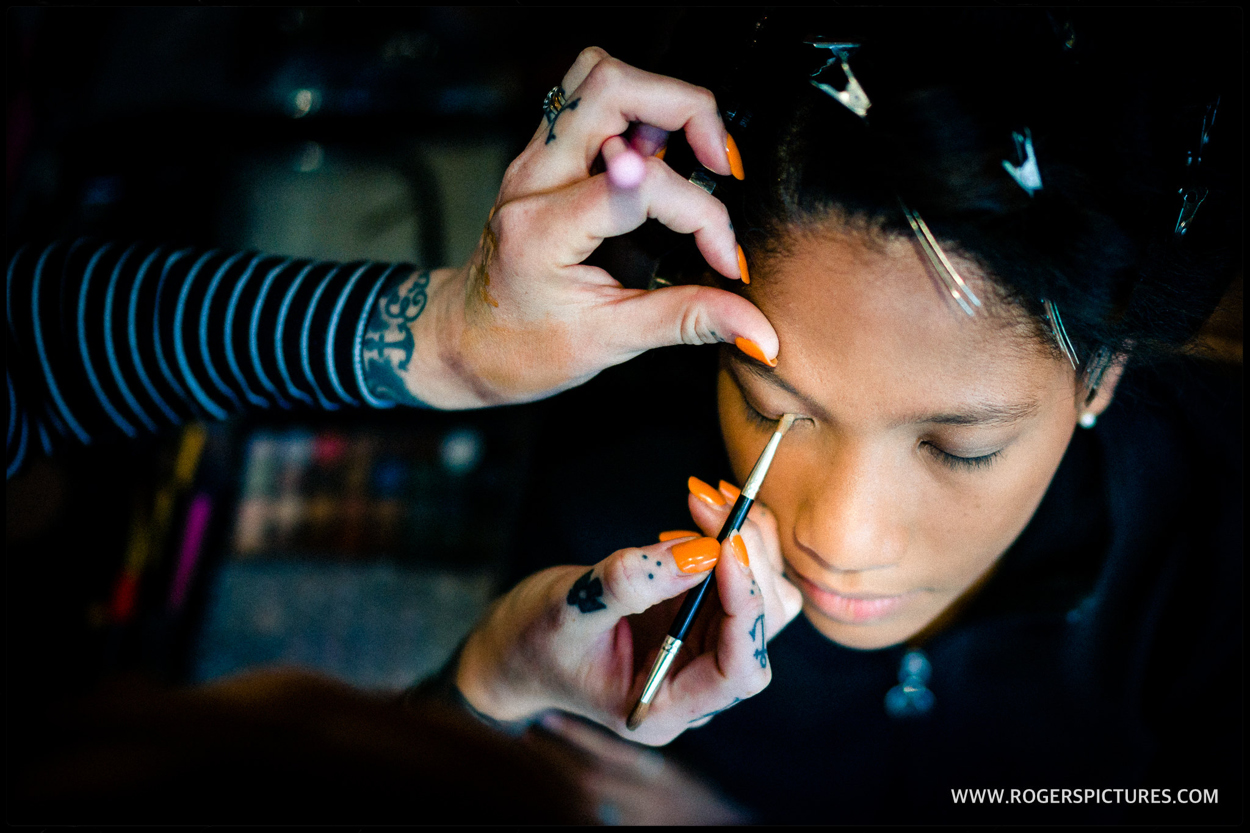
column 865, row 636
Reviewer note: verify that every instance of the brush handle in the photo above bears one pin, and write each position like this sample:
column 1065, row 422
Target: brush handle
column 694, row 599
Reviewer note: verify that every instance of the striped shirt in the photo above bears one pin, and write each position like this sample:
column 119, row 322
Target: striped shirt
column 108, row 340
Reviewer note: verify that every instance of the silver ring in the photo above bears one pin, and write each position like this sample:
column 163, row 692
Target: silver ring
column 553, row 103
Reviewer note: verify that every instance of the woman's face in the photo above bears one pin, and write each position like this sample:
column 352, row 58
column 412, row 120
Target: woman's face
column 930, row 441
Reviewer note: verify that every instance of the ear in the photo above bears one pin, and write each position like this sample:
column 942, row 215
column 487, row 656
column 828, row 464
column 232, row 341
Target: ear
column 1105, row 392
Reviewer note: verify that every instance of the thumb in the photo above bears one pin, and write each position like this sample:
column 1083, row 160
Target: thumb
column 692, row 315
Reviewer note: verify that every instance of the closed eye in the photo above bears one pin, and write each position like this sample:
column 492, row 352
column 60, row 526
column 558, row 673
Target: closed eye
column 954, row 461
column 756, row 418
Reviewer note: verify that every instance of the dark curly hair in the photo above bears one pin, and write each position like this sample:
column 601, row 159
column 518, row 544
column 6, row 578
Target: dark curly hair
column 1115, row 102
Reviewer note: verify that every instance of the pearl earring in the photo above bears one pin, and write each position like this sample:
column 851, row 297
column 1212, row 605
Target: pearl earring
column 1088, row 419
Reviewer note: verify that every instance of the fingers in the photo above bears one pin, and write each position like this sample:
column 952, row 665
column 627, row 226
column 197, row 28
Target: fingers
column 691, row 315
column 626, row 168
column 764, row 519
column 710, row 507
column 648, row 139
column 586, row 61
column 631, row 581
column 736, row 666
column 602, row 211
column 605, row 97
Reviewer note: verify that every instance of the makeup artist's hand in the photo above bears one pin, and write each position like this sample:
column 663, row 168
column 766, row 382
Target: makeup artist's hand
column 582, row 640
column 526, row 318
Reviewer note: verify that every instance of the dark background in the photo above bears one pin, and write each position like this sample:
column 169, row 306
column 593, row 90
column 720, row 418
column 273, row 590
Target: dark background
column 265, row 128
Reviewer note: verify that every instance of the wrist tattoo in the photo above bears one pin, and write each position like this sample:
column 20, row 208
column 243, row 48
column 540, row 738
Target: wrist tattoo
column 760, row 653
column 587, row 593
column 389, row 344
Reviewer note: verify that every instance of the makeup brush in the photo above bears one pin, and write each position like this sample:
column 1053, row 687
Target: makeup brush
column 694, row 599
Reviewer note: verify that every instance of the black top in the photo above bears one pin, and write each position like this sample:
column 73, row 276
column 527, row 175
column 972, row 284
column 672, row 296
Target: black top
column 1104, row 653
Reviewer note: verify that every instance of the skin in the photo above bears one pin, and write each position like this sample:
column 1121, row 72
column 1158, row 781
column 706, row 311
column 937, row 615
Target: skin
column 526, row 317
column 865, row 502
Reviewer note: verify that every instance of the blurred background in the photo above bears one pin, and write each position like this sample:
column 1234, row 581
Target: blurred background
column 363, row 545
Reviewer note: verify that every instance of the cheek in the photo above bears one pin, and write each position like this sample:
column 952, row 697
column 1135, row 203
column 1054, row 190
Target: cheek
column 969, row 531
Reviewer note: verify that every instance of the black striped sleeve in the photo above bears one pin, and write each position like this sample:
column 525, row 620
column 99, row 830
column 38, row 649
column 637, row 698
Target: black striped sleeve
column 108, row 339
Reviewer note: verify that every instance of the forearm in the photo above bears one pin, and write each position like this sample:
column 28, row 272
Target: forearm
column 108, row 340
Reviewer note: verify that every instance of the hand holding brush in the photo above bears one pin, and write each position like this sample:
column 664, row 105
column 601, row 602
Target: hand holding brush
column 582, row 639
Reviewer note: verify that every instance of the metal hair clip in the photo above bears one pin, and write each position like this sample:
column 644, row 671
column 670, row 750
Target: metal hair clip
column 852, row 96
column 1061, row 335
column 856, row 100
column 1191, row 201
column 1095, row 370
column 951, row 279
column 1026, row 173
column 1193, row 196
column 1208, row 121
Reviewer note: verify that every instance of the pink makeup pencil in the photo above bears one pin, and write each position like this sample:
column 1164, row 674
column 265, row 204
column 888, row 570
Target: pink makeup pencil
column 694, row 599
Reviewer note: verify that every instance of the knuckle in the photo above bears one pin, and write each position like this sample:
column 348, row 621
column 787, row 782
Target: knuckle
column 695, row 327
column 509, row 222
column 605, row 74
column 589, row 57
column 712, row 214
column 516, row 173
column 706, row 99
column 618, row 574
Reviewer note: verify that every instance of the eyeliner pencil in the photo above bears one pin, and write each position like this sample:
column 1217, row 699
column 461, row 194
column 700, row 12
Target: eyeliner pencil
column 694, row 599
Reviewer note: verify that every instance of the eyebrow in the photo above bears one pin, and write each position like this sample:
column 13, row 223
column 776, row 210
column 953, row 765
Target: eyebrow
column 979, row 413
column 767, row 374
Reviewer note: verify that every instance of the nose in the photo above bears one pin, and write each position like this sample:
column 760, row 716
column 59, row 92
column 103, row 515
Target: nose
column 851, row 519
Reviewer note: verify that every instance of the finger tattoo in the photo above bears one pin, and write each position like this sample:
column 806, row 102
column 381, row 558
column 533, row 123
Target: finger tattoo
column 587, row 593
column 710, row 714
column 551, row 114
column 760, row 653
column 658, row 563
column 388, row 343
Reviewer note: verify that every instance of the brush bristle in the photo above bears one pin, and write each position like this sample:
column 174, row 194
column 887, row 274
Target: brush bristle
column 786, row 421
column 638, row 715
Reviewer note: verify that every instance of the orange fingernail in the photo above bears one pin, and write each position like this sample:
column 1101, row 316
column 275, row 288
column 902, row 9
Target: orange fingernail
column 696, row 556
column 742, row 266
column 659, row 154
column 730, row 489
column 735, row 158
column 740, row 549
column 674, row 534
column 705, row 492
column 753, row 350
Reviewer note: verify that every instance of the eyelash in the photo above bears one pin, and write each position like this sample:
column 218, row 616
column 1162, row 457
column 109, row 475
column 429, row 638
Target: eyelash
column 958, row 463
column 951, row 461
column 756, row 418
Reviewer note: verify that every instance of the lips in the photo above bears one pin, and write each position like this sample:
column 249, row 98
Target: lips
column 851, row 608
